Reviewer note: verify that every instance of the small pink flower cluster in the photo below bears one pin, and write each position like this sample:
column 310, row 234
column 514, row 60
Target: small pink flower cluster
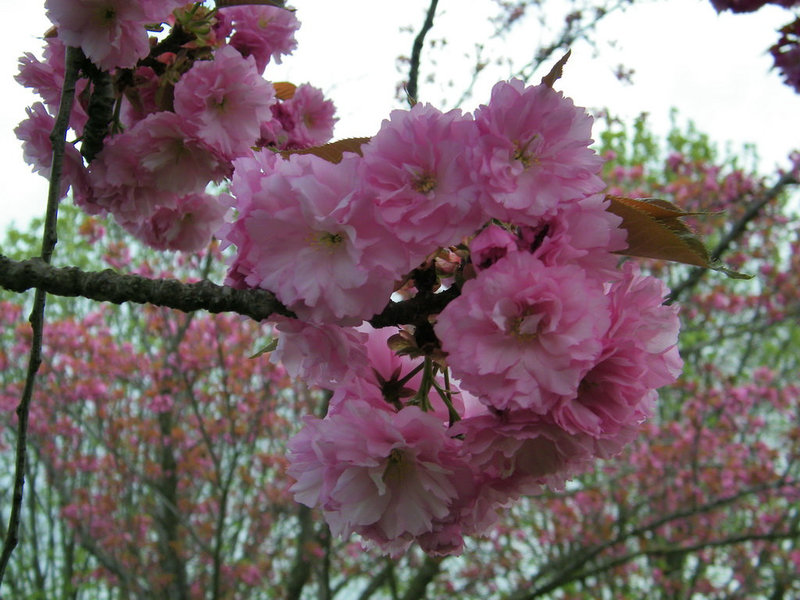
column 548, row 356
column 185, row 108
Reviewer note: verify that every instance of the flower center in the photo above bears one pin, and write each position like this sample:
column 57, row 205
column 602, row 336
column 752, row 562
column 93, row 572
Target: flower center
column 327, row 240
column 523, row 154
column 524, row 327
column 426, row 183
column 397, row 467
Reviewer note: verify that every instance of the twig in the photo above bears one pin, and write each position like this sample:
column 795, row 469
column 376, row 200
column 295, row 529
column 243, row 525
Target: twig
column 74, row 58
column 416, row 51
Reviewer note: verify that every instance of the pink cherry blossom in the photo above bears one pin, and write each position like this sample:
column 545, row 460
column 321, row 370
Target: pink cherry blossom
column 640, row 355
column 263, row 32
column 519, row 452
column 420, row 171
column 522, row 334
column 535, row 148
column 110, row 32
column 187, row 226
column 46, row 78
column 145, row 167
column 37, row 149
column 311, row 115
column 224, row 101
column 314, row 242
column 320, row 355
column 388, row 476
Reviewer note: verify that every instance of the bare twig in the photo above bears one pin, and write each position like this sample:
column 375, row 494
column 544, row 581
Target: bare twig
column 416, row 52
column 74, row 58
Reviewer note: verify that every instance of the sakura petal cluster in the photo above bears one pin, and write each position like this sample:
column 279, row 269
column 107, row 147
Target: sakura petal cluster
column 181, row 108
column 546, row 357
column 540, row 353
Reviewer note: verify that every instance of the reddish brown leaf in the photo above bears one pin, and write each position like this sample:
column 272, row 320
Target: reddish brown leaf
column 655, row 231
column 332, row 152
column 557, row 70
column 284, row 90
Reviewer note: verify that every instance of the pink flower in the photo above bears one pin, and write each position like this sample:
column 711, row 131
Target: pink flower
column 535, row 148
column 263, row 32
column 311, row 116
column 47, row 78
column 523, row 334
column 37, row 150
column 581, row 233
column 313, row 241
column 383, row 375
column 143, row 168
column 519, row 452
column 421, row 173
column 110, row 32
column 388, row 476
column 224, row 101
column 187, row 226
column 320, row 355
column 640, row 354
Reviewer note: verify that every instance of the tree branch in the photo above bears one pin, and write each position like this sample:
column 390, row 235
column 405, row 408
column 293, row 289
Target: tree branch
column 416, row 51
column 110, row 286
column 74, row 58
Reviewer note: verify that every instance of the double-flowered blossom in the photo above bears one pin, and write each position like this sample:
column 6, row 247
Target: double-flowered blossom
column 110, row 32
column 522, row 334
column 224, row 101
column 547, row 355
column 314, row 242
column 535, row 149
column 547, row 359
column 387, row 475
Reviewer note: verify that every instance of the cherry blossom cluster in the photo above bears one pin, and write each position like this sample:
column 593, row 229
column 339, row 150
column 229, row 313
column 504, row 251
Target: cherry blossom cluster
column 542, row 354
column 183, row 106
column 546, row 357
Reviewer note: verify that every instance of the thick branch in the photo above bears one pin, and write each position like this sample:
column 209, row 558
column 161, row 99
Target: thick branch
column 110, row 286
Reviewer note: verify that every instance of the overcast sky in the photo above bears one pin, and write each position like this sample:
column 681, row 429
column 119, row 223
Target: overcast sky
column 714, row 69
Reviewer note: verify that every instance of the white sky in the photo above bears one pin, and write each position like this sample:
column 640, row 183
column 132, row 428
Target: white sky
column 713, row 68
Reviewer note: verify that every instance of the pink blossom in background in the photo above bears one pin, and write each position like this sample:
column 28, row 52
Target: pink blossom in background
column 224, row 101
column 187, row 226
column 420, row 171
column 320, row 355
column 522, row 334
column 110, row 32
column 263, row 32
column 388, row 476
column 535, row 149
column 315, row 243
column 311, row 116
column 786, row 54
